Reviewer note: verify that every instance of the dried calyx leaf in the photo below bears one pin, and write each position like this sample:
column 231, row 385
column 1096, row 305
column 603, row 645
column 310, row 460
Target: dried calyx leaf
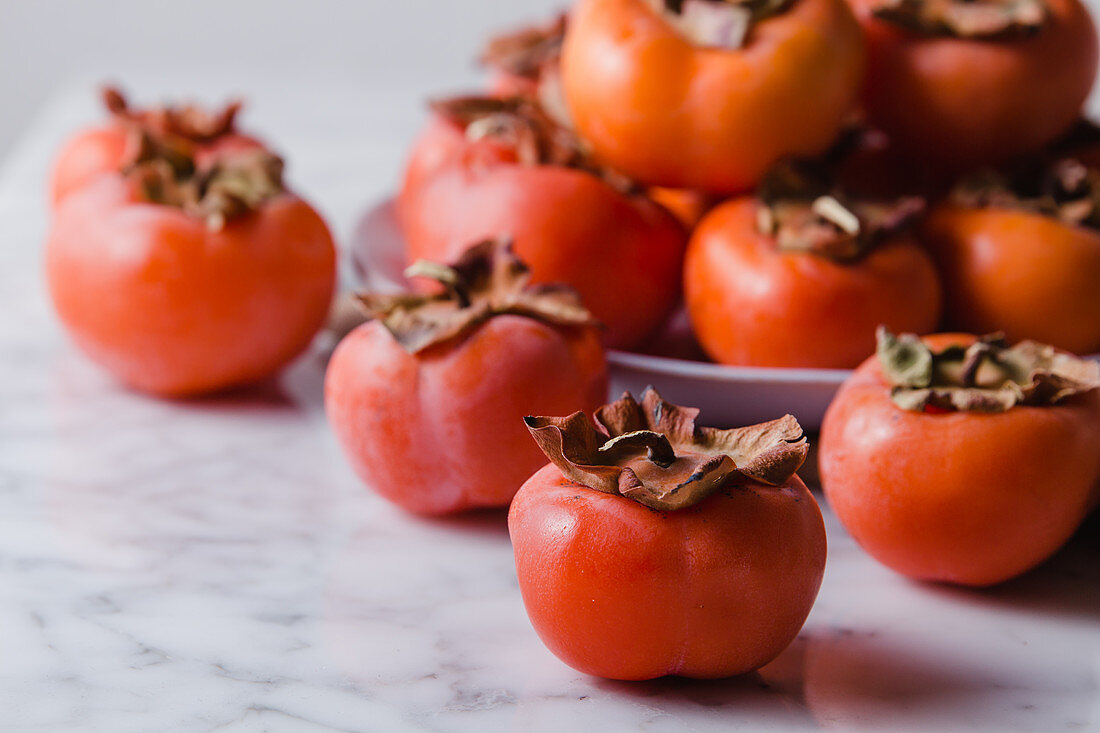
column 487, row 280
column 188, row 121
column 524, row 126
column 527, row 52
column 655, row 454
column 723, row 24
column 979, row 19
column 805, row 211
column 1063, row 188
column 987, row 376
column 230, row 187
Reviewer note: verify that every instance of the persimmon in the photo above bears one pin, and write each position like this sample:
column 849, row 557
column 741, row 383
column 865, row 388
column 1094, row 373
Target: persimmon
column 801, row 275
column 182, row 279
column 104, row 148
column 490, row 166
column 1020, row 253
column 651, row 546
column 962, row 460
column 427, row 398
column 960, row 83
column 709, row 94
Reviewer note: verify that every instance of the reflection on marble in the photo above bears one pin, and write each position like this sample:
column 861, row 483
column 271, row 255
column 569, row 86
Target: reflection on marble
column 214, row 565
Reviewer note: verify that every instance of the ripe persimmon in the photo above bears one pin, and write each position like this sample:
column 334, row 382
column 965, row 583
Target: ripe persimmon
column 961, row 83
column 427, row 398
column 1021, row 254
column 797, row 278
column 651, row 547
column 182, row 280
column 958, row 459
column 104, row 148
column 706, row 94
column 489, row 167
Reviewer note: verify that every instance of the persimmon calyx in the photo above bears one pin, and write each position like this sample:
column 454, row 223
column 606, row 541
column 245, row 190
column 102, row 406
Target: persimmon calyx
column 522, row 125
column 804, row 212
column 487, row 280
column 979, row 19
column 655, row 454
column 231, row 187
column 188, row 121
column 722, row 24
column 987, row 376
column 1062, row 188
column 527, row 52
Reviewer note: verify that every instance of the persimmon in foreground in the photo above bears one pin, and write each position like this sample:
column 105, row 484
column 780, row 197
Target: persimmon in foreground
column 105, row 148
column 801, row 274
column 959, row 83
column 1020, row 252
column 651, row 546
column 427, row 398
column 488, row 167
column 183, row 276
column 962, row 460
column 709, row 94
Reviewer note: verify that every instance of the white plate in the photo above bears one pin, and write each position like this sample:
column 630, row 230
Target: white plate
column 727, row 395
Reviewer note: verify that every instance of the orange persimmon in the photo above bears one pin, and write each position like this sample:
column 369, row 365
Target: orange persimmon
column 651, row 547
column 970, row 479
column 104, row 148
column 501, row 167
column 968, row 82
column 427, row 399
column 703, row 97
column 1023, row 256
column 182, row 281
column 780, row 283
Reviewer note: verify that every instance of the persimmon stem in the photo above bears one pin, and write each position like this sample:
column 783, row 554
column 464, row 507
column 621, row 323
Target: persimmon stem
column 445, row 275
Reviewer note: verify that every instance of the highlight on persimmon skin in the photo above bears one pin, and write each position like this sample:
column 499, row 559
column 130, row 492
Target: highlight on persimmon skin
column 619, row 589
column 807, row 294
column 179, row 289
column 571, row 219
column 965, row 497
column 103, row 148
column 1020, row 253
column 429, row 411
column 668, row 110
column 959, row 102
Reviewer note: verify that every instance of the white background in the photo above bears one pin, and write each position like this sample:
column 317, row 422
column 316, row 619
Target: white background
column 428, row 44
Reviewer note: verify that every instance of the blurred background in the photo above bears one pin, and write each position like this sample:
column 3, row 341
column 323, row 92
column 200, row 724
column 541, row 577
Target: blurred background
column 427, row 45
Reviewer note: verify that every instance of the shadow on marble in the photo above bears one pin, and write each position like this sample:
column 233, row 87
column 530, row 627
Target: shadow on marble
column 479, row 522
column 1066, row 585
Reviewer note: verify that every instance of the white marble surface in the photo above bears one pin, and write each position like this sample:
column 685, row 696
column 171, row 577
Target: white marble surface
column 215, row 566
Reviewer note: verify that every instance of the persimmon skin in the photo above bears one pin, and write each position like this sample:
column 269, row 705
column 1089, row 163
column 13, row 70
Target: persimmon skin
column 173, row 309
column 668, row 113
column 623, row 254
column 959, row 103
column 621, row 591
column 958, row 497
column 99, row 150
column 442, row 432
column 1026, row 274
column 753, row 305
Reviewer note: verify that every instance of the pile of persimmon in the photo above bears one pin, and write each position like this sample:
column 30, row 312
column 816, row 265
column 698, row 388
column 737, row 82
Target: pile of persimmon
column 178, row 259
column 688, row 103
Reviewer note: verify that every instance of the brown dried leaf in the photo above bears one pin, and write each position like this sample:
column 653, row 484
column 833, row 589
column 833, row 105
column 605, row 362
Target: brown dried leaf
column 987, row 376
column 487, row 280
column 190, row 122
column 528, row 51
column 1063, row 188
column 655, row 454
column 979, row 19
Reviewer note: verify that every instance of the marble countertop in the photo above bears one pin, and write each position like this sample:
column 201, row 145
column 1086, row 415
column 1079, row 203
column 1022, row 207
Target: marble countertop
column 214, row 565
